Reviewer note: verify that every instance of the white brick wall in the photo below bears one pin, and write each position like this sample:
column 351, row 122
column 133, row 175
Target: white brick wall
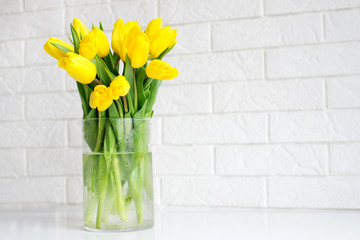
column 265, row 111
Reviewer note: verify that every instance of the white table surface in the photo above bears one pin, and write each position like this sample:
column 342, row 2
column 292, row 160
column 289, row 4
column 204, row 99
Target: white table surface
column 188, row 224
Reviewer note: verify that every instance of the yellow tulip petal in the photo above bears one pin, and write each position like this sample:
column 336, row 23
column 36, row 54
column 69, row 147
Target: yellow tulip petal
column 101, row 43
column 94, row 99
column 136, row 45
column 54, row 51
column 161, row 70
column 119, row 86
column 94, row 43
column 139, row 55
column 101, row 98
column 78, row 67
column 161, row 40
column 87, row 50
column 80, row 28
column 154, row 26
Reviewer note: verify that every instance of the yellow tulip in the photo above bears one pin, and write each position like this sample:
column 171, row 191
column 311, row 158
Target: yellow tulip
column 119, row 86
column 161, row 70
column 54, row 51
column 160, row 38
column 80, row 28
column 101, row 98
column 78, row 67
column 154, row 26
column 118, row 34
column 136, row 46
column 94, row 43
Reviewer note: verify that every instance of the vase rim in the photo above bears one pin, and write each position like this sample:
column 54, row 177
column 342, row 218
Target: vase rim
column 107, row 118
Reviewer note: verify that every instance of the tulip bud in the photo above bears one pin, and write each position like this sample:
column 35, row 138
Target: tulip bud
column 80, row 28
column 101, row 98
column 119, row 86
column 94, row 43
column 54, row 51
column 136, row 46
column 118, row 34
column 161, row 70
column 153, row 27
column 160, row 38
column 78, row 67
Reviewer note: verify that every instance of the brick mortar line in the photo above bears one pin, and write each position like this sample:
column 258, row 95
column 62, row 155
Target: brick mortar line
column 213, row 51
column 267, row 193
column 289, row 46
column 159, row 146
column 161, row 177
column 268, row 132
column 264, row 16
column 211, row 83
column 214, row 172
column 157, row 8
column 329, row 172
column 243, row 144
column 175, row 25
column 160, row 191
column 323, row 25
column 209, row 114
column 194, row 145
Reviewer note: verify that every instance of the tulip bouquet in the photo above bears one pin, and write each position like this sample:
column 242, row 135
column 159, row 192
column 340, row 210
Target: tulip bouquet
column 116, row 108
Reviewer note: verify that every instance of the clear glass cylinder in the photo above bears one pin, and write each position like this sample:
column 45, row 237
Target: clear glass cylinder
column 117, row 174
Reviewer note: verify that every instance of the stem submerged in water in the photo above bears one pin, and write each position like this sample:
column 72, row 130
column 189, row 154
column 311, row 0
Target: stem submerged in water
column 103, row 181
column 118, row 170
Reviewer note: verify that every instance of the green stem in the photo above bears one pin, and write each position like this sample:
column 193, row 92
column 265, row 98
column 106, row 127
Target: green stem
column 119, row 196
column 115, row 174
column 97, row 81
column 125, row 104
column 135, row 92
column 100, row 135
column 103, row 181
column 90, row 166
column 117, row 64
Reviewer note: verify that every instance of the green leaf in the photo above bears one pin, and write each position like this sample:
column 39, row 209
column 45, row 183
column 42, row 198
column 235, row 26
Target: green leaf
column 108, row 62
column 114, row 58
column 120, row 107
column 147, row 93
column 165, row 52
column 129, row 75
column 154, row 87
column 147, row 83
column 140, row 76
column 101, row 130
column 92, row 85
column 71, row 40
column 116, row 123
column 87, row 91
column 92, row 114
column 61, row 47
column 113, row 112
column 109, row 74
column 109, row 141
column 90, row 129
column 142, row 112
column 101, row 27
column 101, row 70
column 75, row 39
column 84, row 103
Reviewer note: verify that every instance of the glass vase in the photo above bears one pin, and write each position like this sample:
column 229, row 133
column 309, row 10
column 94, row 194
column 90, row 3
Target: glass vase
column 117, row 174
